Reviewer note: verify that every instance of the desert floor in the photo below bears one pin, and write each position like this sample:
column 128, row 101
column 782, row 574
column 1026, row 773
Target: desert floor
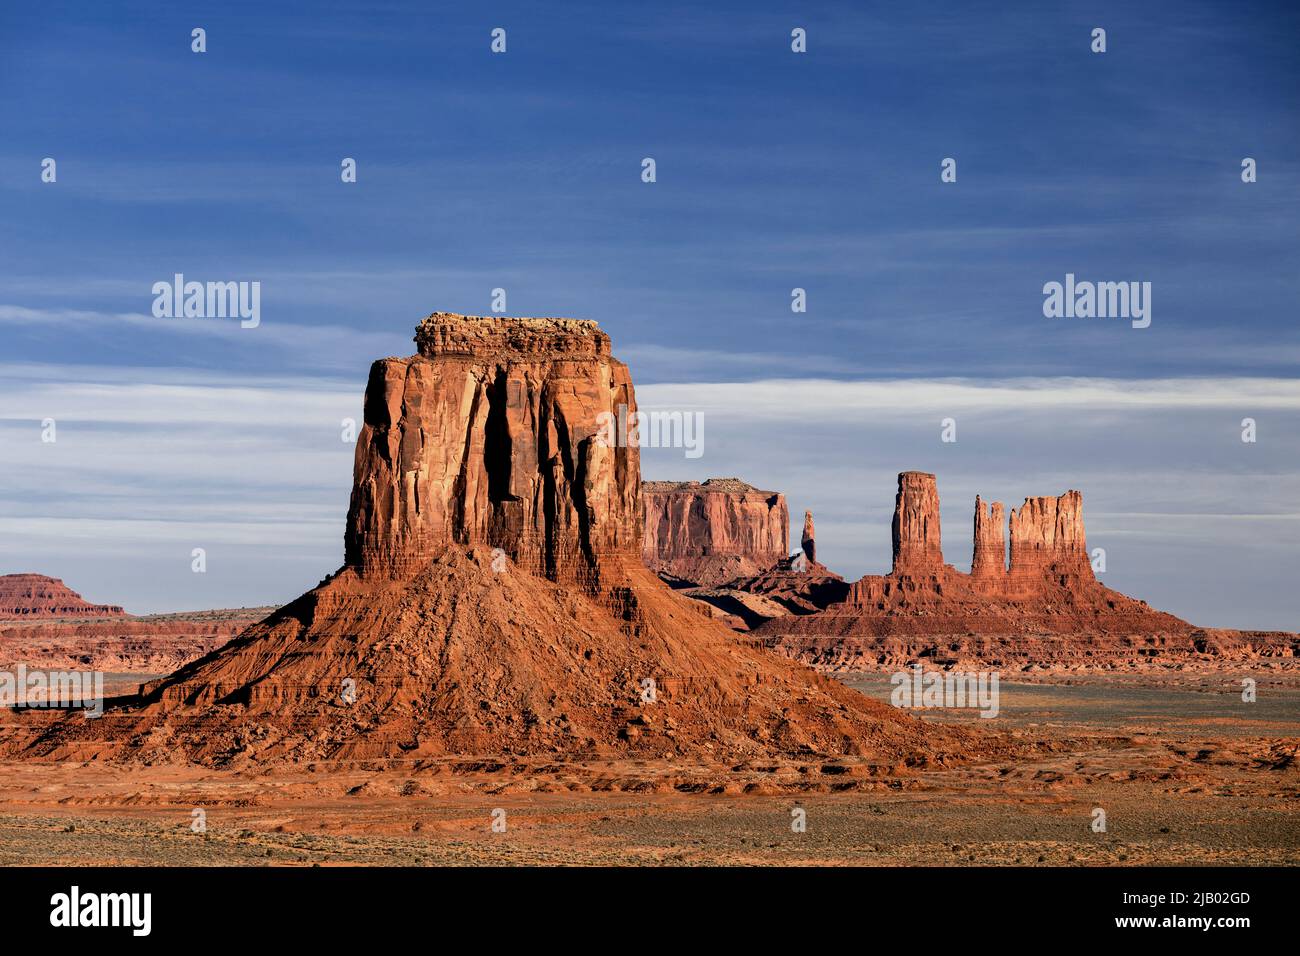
column 1185, row 772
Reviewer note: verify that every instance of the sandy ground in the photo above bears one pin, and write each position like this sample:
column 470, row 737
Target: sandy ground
column 1186, row 774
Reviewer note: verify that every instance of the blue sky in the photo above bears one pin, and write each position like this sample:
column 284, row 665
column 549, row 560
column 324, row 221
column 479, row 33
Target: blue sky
column 775, row 171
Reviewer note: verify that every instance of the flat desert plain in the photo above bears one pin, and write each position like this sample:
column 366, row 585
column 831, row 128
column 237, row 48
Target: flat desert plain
column 1184, row 771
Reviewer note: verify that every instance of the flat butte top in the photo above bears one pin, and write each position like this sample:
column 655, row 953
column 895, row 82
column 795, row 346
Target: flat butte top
column 730, row 485
column 449, row 333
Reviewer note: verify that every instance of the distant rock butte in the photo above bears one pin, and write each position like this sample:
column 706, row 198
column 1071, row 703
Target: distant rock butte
column 32, row 596
column 706, row 534
column 45, row 624
column 1043, row 607
column 1048, row 586
column 494, row 601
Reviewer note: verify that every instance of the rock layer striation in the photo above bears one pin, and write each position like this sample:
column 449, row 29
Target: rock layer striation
column 35, row 596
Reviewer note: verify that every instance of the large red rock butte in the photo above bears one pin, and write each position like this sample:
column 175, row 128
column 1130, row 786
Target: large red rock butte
column 706, row 534
column 490, row 436
column 33, row 596
column 493, row 599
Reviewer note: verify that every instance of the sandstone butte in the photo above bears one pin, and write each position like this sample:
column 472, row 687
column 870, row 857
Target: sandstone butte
column 722, row 541
column 493, row 601
column 706, row 534
column 36, row 597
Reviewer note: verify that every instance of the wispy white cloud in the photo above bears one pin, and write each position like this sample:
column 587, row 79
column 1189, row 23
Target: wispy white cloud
column 151, row 462
column 321, row 346
column 809, row 400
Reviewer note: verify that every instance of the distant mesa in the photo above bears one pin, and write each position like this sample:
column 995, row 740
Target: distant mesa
column 726, row 544
column 35, row 596
column 705, row 534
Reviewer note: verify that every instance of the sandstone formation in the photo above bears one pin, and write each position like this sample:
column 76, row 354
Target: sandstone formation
column 989, row 560
column 797, row 585
column 1045, row 605
column 493, row 600
column 34, row 596
column 917, row 546
column 704, row 535
column 793, row 585
column 808, row 540
column 1049, row 585
column 492, row 435
column 1047, row 539
column 1040, row 653
column 723, row 543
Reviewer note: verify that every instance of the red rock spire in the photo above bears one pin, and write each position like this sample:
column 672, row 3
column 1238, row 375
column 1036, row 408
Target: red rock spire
column 917, row 544
column 808, row 540
column 989, row 559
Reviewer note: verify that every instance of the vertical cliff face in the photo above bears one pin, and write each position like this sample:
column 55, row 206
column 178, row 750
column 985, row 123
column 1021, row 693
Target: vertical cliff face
column 710, row 533
column 500, row 432
column 917, row 546
column 808, row 540
column 1047, row 538
column 989, row 558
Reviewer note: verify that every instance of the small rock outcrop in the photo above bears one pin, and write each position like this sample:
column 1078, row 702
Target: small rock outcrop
column 705, row 534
